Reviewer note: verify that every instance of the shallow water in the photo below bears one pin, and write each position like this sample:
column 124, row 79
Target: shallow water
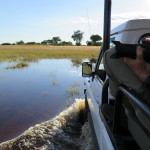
column 35, row 94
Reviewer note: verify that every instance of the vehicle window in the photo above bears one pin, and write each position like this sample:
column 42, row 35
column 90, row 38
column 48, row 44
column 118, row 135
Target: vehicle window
column 101, row 66
column 111, row 43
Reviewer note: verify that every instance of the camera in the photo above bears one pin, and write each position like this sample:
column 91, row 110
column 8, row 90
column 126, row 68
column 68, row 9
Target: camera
column 129, row 50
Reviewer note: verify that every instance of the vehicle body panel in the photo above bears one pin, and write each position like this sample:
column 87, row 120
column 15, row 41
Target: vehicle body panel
column 94, row 92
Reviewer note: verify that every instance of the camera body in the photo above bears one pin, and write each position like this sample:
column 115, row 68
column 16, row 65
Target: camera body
column 129, row 50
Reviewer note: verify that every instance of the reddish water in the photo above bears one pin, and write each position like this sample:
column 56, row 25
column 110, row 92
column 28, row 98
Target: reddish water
column 35, row 94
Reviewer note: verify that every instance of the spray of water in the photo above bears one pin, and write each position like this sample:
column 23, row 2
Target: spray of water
column 86, row 140
column 66, row 132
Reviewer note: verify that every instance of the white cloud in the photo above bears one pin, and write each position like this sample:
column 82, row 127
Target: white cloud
column 122, row 17
column 84, row 20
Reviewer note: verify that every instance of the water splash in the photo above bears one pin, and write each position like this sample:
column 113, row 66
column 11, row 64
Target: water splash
column 63, row 132
column 86, row 141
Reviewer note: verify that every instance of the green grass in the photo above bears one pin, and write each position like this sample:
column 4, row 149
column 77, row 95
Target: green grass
column 27, row 53
column 74, row 89
column 76, row 62
column 18, row 66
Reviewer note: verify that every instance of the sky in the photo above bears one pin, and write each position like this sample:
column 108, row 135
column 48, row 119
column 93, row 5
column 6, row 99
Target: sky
column 38, row 20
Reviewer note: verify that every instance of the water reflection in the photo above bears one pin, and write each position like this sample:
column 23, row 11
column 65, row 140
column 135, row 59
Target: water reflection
column 72, row 91
column 53, row 79
column 76, row 62
column 34, row 94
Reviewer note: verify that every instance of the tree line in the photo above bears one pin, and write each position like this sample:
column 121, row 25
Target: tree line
column 95, row 40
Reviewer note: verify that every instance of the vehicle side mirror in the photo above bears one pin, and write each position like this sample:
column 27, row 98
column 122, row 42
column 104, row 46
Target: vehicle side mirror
column 86, row 69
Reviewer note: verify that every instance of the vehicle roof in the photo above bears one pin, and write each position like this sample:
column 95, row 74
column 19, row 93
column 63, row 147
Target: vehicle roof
column 132, row 25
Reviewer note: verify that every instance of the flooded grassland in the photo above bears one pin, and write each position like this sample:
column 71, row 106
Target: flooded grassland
column 35, row 52
column 44, row 89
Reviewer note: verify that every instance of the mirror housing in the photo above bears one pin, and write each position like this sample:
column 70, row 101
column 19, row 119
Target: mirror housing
column 86, row 69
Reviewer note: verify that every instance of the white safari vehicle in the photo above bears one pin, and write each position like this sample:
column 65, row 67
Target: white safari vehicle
column 109, row 131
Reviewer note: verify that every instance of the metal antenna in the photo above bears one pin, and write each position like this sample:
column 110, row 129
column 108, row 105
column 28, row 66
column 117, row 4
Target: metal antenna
column 87, row 14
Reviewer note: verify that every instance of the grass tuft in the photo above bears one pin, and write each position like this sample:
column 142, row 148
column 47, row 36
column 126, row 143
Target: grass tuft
column 73, row 91
column 18, row 66
column 76, row 62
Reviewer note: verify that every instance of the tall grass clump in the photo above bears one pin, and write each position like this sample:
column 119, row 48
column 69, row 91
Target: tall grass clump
column 18, row 66
column 72, row 91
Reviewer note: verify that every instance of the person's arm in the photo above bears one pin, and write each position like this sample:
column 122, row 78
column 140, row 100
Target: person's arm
column 139, row 66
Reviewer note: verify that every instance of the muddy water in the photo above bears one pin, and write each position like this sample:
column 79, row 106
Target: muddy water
column 64, row 132
column 35, row 94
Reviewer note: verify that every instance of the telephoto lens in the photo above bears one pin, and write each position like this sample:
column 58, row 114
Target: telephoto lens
column 129, row 50
column 146, row 50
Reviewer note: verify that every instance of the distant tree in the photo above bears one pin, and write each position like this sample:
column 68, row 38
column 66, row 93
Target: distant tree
column 64, row 43
column 78, row 44
column 98, row 44
column 89, row 43
column 50, row 41
column 47, row 42
column 31, row 43
column 6, row 44
column 44, row 42
column 20, row 42
column 95, row 38
column 56, row 40
column 78, row 36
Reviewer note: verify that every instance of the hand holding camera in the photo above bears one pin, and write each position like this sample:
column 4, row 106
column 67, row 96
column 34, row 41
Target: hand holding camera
column 136, row 56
